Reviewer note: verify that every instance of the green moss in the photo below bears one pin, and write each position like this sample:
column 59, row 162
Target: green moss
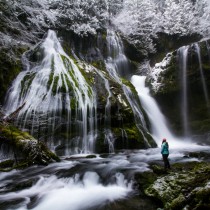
column 49, row 153
column 68, row 83
column 91, row 156
column 201, row 126
column 72, row 75
column 10, row 65
column 26, row 147
column 69, row 68
column 132, row 132
column 7, row 164
column 26, row 82
column 145, row 179
column 63, row 88
column 103, row 36
column 55, row 84
column 14, row 133
column 130, row 85
column 177, row 203
column 8, row 71
column 99, row 64
column 206, row 66
column 73, row 104
column 49, row 83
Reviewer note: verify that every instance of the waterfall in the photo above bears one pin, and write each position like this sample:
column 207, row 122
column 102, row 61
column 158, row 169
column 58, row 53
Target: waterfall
column 158, row 122
column 197, row 48
column 116, row 56
column 157, row 119
column 56, row 97
column 108, row 136
column 183, row 54
column 117, row 65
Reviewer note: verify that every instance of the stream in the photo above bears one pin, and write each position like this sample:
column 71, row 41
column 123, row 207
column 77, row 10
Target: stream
column 80, row 183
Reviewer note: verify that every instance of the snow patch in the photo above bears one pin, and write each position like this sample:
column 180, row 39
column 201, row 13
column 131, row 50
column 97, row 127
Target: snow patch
column 155, row 72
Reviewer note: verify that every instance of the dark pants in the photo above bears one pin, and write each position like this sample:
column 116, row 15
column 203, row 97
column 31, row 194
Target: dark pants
column 166, row 162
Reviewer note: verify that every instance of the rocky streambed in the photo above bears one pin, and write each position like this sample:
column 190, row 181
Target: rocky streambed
column 185, row 186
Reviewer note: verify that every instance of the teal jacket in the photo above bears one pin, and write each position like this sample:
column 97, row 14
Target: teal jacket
column 164, row 149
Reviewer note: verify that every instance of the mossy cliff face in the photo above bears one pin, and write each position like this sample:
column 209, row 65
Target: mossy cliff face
column 22, row 149
column 118, row 117
column 115, row 115
column 186, row 187
column 10, row 67
column 166, row 82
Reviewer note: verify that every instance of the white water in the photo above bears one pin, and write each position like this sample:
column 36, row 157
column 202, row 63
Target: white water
column 49, row 90
column 158, row 122
column 115, row 62
column 82, row 183
column 71, row 193
column 116, row 55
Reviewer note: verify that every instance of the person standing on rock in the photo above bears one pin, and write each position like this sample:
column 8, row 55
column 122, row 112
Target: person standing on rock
column 165, row 154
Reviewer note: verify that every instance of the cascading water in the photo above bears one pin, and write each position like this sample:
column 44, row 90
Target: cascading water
column 108, row 136
column 158, row 122
column 197, row 48
column 55, row 93
column 183, row 58
column 116, row 61
column 157, row 119
column 116, row 56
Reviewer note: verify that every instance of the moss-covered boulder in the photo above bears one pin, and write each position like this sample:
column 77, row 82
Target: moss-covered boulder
column 185, row 187
column 26, row 150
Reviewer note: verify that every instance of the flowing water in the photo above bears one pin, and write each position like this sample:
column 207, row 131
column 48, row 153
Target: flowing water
column 60, row 103
column 79, row 183
column 157, row 119
column 183, row 58
column 158, row 122
column 106, row 182
column 116, row 59
column 116, row 56
column 57, row 98
column 205, row 91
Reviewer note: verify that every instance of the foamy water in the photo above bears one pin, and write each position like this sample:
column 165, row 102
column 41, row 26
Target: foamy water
column 82, row 183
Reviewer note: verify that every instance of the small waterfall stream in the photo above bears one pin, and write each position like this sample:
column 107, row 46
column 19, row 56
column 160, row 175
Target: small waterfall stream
column 205, row 91
column 183, row 58
column 116, row 56
column 114, row 63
